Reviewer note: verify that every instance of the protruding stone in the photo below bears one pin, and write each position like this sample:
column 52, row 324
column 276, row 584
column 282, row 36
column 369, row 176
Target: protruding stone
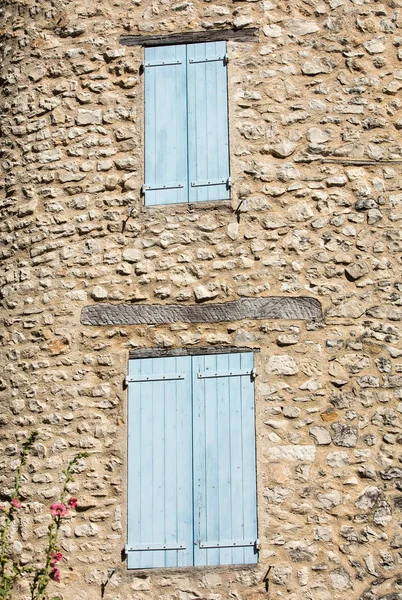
column 340, row 579
column 351, row 309
column 282, row 365
column 315, row 66
column 99, row 293
column 287, row 339
column 202, row 293
column 374, row 46
column 88, row 117
column 301, row 550
column 368, row 498
column 320, row 436
column 344, row 435
column 283, row 149
column 233, row 230
column 272, row 31
column 316, row 135
column 302, row 27
column 131, row 255
column 293, row 453
column 357, row 270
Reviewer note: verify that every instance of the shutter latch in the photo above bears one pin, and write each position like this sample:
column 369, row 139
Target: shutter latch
column 257, row 545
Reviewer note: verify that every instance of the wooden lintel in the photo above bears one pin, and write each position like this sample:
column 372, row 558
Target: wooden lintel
column 270, row 307
column 162, row 352
column 249, row 34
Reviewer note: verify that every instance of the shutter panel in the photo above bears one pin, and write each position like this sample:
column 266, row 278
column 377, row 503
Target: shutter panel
column 160, row 511
column 208, row 138
column 165, row 125
column 225, row 521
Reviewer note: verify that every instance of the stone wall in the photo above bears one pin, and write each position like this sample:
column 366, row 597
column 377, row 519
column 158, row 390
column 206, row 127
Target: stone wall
column 316, row 157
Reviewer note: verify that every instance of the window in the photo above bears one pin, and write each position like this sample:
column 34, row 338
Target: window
column 186, row 124
column 191, row 461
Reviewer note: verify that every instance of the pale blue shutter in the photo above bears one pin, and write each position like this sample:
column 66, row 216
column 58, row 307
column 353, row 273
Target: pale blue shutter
column 208, row 138
column 160, row 510
column 165, row 125
column 225, row 521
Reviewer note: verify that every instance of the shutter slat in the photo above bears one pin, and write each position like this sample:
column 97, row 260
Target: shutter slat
column 225, row 473
column 208, row 137
column 159, row 464
column 165, row 125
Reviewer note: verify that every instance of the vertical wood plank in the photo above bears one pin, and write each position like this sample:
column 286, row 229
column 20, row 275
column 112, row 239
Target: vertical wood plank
column 165, row 125
column 160, row 463
column 224, row 467
column 208, row 134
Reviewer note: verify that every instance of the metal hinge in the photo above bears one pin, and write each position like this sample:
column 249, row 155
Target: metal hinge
column 151, row 547
column 231, row 544
column 154, row 378
column 205, row 183
column 207, row 374
column 162, row 63
column 168, row 186
column 224, row 57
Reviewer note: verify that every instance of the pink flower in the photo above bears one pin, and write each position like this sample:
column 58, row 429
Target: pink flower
column 56, row 557
column 16, row 503
column 73, row 502
column 58, row 509
column 55, row 574
column 2, row 508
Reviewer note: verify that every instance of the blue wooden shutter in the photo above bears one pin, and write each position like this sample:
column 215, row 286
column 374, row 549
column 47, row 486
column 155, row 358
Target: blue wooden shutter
column 208, row 139
column 165, row 125
column 225, row 521
column 160, row 511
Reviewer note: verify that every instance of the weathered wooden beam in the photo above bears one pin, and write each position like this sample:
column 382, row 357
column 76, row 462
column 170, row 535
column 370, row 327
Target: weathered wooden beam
column 162, row 352
column 249, row 34
column 246, row 308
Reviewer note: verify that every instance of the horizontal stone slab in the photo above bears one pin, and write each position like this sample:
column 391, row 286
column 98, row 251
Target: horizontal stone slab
column 274, row 307
column 291, row 453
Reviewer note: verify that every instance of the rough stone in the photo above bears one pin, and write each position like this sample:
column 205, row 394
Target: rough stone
column 340, row 579
column 282, row 365
column 320, row 436
column 344, row 435
column 293, row 453
column 302, row 27
column 301, row 550
column 368, row 498
column 357, row 270
column 396, row 541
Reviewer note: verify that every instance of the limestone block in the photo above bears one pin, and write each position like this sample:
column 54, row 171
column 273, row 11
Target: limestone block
column 292, row 453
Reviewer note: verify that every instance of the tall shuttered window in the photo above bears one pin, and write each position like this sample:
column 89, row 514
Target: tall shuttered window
column 191, row 461
column 186, row 124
